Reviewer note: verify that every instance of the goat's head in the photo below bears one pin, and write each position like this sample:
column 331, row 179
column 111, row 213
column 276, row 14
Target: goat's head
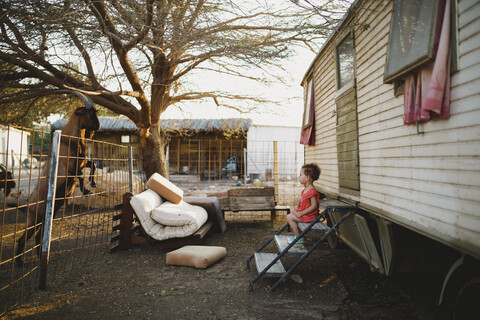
column 87, row 116
column 88, row 120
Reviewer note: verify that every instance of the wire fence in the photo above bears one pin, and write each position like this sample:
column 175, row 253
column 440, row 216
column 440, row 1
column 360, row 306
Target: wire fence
column 82, row 224
column 212, row 167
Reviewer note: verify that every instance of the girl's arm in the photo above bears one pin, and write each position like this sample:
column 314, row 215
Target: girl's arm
column 311, row 208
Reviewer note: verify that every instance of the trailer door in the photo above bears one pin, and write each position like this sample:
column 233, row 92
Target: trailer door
column 346, row 104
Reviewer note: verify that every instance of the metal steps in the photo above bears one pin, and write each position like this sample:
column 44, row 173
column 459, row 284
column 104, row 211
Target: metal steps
column 317, row 228
column 262, row 260
column 270, row 265
column 295, row 251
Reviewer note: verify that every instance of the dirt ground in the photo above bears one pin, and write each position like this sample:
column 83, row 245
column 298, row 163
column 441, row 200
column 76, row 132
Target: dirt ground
column 137, row 284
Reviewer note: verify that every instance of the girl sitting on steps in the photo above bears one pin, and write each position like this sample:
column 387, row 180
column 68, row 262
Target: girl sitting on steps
column 307, row 209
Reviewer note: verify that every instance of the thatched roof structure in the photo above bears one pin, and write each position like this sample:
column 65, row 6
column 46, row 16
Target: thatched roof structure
column 180, row 125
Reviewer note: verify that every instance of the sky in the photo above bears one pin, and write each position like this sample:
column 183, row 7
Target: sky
column 288, row 112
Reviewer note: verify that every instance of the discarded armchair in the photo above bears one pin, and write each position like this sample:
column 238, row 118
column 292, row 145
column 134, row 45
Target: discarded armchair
column 165, row 218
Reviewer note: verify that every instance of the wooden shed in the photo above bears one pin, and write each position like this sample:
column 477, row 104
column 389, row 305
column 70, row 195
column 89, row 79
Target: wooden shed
column 197, row 146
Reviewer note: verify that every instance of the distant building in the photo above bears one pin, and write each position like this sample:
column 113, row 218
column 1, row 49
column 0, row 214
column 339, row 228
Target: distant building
column 13, row 146
column 212, row 148
column 197, row 146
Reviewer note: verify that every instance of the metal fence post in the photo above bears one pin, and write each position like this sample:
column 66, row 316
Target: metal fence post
column 50, row 204
column 275, row 169
column 245, row 166
column 130, row 168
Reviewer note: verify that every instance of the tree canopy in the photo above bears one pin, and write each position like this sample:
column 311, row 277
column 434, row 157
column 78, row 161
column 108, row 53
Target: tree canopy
column 136, row 58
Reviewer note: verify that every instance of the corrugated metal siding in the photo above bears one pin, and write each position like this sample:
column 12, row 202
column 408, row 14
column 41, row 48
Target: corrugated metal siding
column 428, row 182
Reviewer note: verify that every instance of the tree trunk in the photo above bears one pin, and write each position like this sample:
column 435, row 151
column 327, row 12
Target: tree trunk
column 153, row 151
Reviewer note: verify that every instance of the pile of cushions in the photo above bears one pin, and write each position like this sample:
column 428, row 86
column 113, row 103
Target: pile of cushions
column 162, row 212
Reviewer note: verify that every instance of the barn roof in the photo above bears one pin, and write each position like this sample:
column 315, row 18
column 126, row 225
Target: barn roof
column 122, row 124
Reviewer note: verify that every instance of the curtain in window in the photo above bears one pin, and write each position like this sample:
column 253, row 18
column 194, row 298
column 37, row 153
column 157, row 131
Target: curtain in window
column 427, row 92
column 307, row 136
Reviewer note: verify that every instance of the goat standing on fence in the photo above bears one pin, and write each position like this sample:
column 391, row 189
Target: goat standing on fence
column 82, row 124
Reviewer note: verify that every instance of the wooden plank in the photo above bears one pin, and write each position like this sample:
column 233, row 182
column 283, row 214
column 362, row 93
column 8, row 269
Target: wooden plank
column 125, row 241
column 246, row 192
column 253, row 199
column 263, row 259
column 252, row 206
column 251, row 203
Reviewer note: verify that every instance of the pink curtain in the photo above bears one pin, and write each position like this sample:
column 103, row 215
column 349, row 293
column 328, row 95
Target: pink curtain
column 427, row 93
column 307, row 136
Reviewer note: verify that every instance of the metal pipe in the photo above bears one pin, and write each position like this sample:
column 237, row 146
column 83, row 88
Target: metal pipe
column 50, row 205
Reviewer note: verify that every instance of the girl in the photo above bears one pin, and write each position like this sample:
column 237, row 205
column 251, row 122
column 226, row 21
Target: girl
column 307, row 209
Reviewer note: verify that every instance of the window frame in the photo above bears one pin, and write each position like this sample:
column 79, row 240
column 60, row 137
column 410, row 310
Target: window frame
column 127, row 136
column 416, row 60
column 340, row 90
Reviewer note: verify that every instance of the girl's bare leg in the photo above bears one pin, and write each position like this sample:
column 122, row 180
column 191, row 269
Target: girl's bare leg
column 293, row 221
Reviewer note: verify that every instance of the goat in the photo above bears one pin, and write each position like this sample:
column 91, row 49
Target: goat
column 72, row 159
column 6, row 180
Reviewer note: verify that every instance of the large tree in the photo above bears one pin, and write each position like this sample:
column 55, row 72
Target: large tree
column 134, row 57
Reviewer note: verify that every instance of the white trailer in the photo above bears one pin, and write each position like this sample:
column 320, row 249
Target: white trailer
column 417, row 186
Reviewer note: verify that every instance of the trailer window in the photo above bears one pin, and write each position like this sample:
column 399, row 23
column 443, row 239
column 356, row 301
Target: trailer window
column 411, row 39
column 345, row 60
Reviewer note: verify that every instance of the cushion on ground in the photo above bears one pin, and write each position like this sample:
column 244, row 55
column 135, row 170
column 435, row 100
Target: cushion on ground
column 165, row 188
column 196, row 256
column 215, row 213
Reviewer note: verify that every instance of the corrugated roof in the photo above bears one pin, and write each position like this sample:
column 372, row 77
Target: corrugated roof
column 122, row 124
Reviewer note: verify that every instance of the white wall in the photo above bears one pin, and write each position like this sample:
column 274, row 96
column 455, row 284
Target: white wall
column 14, row 145
column 260, row 150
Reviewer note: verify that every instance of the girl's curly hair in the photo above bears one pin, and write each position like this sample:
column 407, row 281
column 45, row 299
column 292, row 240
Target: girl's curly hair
column 312, row 170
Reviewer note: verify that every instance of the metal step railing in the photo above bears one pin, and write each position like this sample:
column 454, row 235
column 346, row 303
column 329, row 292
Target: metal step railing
column 346, row 209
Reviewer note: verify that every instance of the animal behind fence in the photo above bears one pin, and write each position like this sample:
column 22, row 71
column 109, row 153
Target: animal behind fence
column 6, row 180
column 81, row 125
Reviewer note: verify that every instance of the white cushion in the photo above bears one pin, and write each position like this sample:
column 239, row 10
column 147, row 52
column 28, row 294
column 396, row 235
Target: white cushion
column 165, row 188
column 143, row 204
column 185, row 219
column 171, row 214
column 179, row 220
